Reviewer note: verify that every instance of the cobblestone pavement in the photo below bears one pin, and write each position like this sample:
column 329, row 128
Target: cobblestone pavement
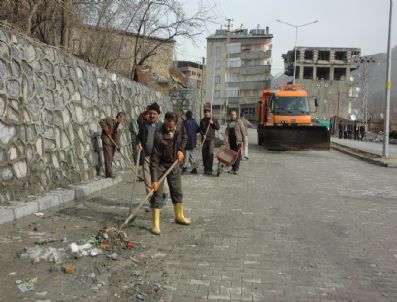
column 292, row 226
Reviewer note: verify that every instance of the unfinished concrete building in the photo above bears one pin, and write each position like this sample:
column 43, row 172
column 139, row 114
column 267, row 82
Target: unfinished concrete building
column 238, row 69
column 326, row 74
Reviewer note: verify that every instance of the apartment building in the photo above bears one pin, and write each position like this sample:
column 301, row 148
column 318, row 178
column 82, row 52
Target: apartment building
column 193, row 71
column 326, row 74
column 238, row 69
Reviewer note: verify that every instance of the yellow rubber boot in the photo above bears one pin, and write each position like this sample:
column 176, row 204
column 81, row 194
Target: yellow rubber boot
column 156, row 221
column 179, row 217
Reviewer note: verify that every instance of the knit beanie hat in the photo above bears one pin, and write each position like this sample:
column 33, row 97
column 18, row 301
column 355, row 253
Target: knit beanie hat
column 154, row 107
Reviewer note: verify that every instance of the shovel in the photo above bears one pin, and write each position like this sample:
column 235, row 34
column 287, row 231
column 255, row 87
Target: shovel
column 138, row 157
column 135, row 211
column 127, row 159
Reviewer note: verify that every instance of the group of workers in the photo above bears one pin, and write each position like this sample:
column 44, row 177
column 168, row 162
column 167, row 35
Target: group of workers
column 162, row 144
column 354, row 131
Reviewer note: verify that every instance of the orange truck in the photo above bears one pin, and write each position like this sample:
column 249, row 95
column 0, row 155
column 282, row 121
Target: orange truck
column 285, row 121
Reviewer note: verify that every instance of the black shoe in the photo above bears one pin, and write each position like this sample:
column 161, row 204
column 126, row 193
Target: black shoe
column 165, row 196
column 208, row 173
column 194, row 171
column 235, row 172
column 184, row 170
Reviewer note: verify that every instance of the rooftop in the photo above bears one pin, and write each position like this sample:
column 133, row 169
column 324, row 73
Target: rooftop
column 242, row 33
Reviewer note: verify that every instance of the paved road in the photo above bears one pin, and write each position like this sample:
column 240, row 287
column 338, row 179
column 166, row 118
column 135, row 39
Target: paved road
column 292, row 226
column 374, row 148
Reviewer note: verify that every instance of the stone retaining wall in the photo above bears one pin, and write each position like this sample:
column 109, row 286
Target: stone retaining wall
column 50, row 104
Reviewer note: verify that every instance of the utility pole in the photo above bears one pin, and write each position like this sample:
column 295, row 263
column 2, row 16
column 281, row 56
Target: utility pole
column 228, row 26
column 202, row 88
column 365, row 61
column 385, row 152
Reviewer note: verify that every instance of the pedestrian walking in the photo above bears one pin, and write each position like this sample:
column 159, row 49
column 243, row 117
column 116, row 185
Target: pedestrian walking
column 362, row 131
column 145, row 141
column 208, row 126
column 110, row 129
column 349, row 131
column 168, row 147
column 192, row 128
column 340, row 130
column 356, row 131
column 235, row 137
column 247, row 124
column 345, row 131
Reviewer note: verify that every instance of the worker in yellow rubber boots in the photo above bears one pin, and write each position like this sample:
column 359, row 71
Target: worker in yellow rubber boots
column 168, row 147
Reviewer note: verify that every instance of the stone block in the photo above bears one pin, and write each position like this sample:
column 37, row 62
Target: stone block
column 82, row 191
column 6, row 215
column 64, row 195
column 25, row 208
column 48, row 201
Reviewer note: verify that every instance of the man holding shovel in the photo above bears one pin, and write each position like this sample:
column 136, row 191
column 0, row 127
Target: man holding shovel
column 110, row 134
column 168, row 147
column 208, row 125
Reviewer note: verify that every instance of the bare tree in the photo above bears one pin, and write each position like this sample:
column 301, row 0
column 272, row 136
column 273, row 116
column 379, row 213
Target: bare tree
column 45, row 20
column 152, row 24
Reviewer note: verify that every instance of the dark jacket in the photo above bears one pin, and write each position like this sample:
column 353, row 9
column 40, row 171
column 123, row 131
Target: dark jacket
column 238, row 130
column 109, row 124
column 192, row 128
column 142, row 137
column 165, row 149
column 211, row 130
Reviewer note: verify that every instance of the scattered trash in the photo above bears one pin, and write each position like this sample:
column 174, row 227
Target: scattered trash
column 104, row 245
column 130, row 245
column 69, row 268
column 113, row 256
column 12, row 274
column 42, row 294
column 93, row 240
column 92, row 275
column 49, row 254
column 142, row 255
column 27, row 285
column 38, row 214
column 83, row 250
column 140, row 296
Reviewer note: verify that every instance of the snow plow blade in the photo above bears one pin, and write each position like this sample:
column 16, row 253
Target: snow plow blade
column 286, row 138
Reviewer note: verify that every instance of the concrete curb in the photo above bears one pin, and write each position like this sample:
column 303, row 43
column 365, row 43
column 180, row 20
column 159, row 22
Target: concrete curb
column 365, row 156
column 54, row 198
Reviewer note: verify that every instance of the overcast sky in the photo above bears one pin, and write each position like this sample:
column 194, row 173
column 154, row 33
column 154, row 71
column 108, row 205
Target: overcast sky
column 342, row 23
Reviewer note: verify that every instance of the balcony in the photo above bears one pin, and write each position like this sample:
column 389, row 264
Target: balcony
column 259, row 69
column 252, row 55
column 257, row 85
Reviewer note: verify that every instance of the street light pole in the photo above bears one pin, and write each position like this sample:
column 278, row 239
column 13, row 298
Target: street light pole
column 385, row 152
column 296, row 39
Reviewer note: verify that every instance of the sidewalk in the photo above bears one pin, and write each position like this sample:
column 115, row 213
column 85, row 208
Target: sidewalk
column 368, row 151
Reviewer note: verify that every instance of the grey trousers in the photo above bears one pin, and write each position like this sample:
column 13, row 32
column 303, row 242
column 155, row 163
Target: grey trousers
column 190, row 157
column 108, row 152
column 175, row 186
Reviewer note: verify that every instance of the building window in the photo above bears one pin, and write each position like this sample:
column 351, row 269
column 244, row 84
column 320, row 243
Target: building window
column 234, row 62
column 323, row 73
column 233, row 92
column 308, row 73
column 231, row 77
column 234, row 48
column 323, row 55
column 341, row 55
column 217, row 79
column 217, row 93
column 340, row 74
column 218, row 50
column 309, row 54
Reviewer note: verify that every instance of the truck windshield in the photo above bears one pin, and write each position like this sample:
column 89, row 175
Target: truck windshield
column 291, row 105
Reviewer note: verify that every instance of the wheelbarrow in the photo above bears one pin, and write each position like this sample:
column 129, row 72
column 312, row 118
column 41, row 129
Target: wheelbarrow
column 226, row 158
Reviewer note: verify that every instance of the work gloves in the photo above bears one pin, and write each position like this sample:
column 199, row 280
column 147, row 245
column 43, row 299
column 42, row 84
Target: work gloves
column 180, row 156
column 155, row 186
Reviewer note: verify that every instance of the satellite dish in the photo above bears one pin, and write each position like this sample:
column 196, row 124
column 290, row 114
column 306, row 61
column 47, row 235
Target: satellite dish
column 353, row 117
